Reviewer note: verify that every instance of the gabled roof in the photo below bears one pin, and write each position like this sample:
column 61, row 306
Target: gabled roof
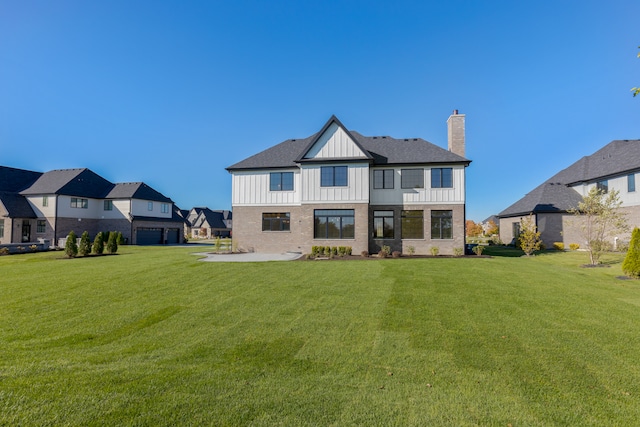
column 16, row 205
column 381, row 150
column 556, row 195
column 215, row 219
column 70, row 182
column 15, row 180
column 136, row 190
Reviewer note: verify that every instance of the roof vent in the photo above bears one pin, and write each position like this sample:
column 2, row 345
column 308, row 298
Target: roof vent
column 384, row 137
column 406, row 139
column 375, row 137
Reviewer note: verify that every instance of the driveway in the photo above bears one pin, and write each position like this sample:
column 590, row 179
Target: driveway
column 249, row 257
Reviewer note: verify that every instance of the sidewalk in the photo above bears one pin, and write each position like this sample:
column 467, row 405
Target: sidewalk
column 248, row 257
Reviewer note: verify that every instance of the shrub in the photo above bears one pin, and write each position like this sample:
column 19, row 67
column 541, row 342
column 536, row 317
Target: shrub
column 529, row 239
column 120, row 239
column 98, row 244
column 342, row 250
column 478, row 250
column 458, row 251
column 385, row 251
column 411, row 250
column 327, row 250
column 396, row 254
column 348, row 250
column 365, row 254
column 631, row 263
column 334, row 250
column 434, row 250
column 84, row 248
column 33, row 248
column 4, row 251
column 574, row 246
column 559, row 246
column 71, row 247
column 112, row 243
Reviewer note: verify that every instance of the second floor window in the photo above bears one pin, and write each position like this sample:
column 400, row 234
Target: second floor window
column 164, row 208
column 412, row 178
column 149, row 206
column 383, row 178
column 45, row 201
column 281, row 181
column 79, row 203
column 333, row 176
column 108, row 205
column 442, row 178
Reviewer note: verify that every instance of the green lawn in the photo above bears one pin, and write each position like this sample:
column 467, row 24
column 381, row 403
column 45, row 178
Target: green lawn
column 153, row 337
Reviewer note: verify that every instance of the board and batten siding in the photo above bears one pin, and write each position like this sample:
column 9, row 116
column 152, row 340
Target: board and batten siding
column 334, row 144
column 252, row 189
column 405, row 196
column 356, row 191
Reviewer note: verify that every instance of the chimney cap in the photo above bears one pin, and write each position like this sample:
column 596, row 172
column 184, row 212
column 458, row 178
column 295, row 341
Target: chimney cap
column 455, row 112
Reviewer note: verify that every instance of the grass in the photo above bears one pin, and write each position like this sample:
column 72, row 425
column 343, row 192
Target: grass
column 154, row 337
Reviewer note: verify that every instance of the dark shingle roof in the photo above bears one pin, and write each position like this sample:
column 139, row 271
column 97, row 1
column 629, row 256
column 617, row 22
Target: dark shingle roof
column 215, row 219
column 16, row 180
column 381, row 150
column 70, row 182
column 136, row 190
column 555, row 195
column 16, row 205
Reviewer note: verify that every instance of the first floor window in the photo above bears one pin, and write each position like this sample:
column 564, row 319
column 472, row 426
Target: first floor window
column 515, row 229
column 281, row 181
column 79, row 203
column 412, row 225
column 276, row 221
column 412, row 178
column 333, row 176
column 108, row 205
column 383, row 224
column 149, row 206
column 41, row 226
column 1, row 227
column 164, row 208
column 603, row 186
column 442, row 178
column 442, row 224
column 631, row 183
column 334, row 224
column 383, row 179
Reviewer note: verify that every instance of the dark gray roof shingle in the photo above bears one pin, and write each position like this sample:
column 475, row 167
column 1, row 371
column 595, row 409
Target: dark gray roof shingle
column 16, row 205
column 16, row 180
column 70, row 182
column 136, row 190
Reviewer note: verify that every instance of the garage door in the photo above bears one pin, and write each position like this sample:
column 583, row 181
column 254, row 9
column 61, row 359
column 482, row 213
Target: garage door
column 149, row 236
column 173, row 235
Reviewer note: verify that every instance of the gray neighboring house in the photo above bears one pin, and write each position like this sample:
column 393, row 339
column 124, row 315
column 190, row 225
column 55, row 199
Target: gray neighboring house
column 341, row 188
column 613, row 167
column 37, row 207
column 207, row 223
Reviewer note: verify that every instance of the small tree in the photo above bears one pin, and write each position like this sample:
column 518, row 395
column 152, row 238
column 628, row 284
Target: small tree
column 71, row 247
column 98, row 244
column 492, row 228
column 601, row 218
column 112, row 243
column 529, row 238
column 84, row 248
column 473, row 229
column 120, row 239
column 631, row 263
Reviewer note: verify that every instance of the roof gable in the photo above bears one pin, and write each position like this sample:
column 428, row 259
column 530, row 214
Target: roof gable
column 16, row 205
column 136, row 190
column 70, row 182
column 334, row 141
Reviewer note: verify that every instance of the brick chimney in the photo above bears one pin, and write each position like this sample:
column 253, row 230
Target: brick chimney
column 455, row 127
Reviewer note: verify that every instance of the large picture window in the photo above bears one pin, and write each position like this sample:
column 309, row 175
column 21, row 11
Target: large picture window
column 412, row 178
column 442, row 178
column 276, row 221
column 383, row 224
column 442, row 224
column 334, row 224
column 412, row 224
column 333, row 176
column 281, row 181
column 79, row 203
column 383, row 179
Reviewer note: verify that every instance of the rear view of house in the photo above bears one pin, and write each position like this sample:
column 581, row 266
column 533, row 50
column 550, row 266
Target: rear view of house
column 340, row 188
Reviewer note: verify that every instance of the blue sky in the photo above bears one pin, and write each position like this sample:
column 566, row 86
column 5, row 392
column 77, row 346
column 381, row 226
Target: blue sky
column 171, row 93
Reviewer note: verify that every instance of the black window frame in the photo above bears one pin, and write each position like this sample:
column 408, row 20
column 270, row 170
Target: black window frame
column 107, row 205
column 79, row 203
column 409, row 219
column 408, row 179
column 276, row 221
column 332, row 176
column 386, row 176
column 603, row 185
column 441, row 225
column 442, row 178
column 41, row 226
column 344, row 221
column 383, row 220
column 277, row 181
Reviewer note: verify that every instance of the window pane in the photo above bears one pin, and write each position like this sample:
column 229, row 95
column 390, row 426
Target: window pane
column 275, row 181
column 326, row 176
column 447, row 177
column 287, row 181
column 333, row 227
column 348, row 228
column 631, row 183
column 412, row 225
column 378, row 179
column 320, row 227
column 388, row 178
column 441, row 224
column 603, row 186
column 436, row 178
column 412, row 178
column 340, row 175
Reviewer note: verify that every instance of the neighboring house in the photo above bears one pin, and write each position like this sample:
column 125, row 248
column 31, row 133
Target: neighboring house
column 47, row 206
column 207, row 223
column 614, row 167
column 340, row 188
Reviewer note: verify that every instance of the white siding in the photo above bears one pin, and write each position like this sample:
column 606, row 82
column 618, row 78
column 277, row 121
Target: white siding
column 252, row 189
column 334, row 143
column 357, row 190
column 407, row 196
column 66, row 211
column 618, row 183
column 141, row 208
column 120, row 210
column 43, row 211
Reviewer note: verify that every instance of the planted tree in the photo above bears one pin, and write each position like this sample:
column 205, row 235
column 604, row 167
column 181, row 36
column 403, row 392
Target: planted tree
column 112, row 243
column 71, row 247
column 98, row 244
column 84, row 248
column 631, row 263
column 529, row 238
column 600, row 218
column 120, row 239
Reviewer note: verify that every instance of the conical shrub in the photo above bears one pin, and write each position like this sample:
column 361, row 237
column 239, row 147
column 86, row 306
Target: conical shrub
column 631, row 263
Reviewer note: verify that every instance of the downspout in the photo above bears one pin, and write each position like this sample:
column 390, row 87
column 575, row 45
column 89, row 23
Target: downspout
column 131, row 216
column 55, row 222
